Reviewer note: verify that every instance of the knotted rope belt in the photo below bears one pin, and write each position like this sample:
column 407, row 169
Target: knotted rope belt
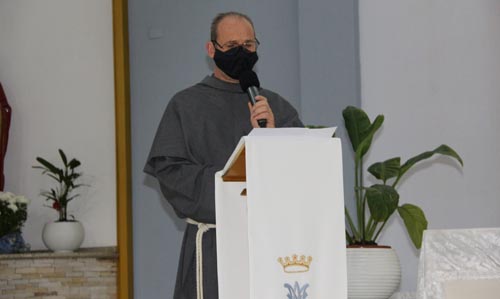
column 202, row 228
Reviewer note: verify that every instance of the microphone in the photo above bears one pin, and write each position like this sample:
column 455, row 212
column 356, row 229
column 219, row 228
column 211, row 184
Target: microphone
column 250, row 83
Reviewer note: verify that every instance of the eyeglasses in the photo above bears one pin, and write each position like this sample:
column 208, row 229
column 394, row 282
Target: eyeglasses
column 249, row 45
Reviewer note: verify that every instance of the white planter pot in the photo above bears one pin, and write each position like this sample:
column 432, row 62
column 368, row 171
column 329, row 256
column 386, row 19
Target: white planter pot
column 372, row 273
column 63, row 236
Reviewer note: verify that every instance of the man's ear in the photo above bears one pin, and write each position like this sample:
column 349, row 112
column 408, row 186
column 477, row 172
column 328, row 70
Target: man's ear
column 210, row 49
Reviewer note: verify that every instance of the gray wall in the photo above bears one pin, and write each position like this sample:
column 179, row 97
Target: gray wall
column 434, row 75
column 308, row 54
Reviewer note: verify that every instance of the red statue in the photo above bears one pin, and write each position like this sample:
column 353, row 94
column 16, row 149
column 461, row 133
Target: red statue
column 5, row 115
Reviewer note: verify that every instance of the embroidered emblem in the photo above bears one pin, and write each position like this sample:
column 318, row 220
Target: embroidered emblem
column 296, row 292
column 295, row 264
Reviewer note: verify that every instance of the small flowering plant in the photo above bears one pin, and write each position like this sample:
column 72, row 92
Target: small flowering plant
column 66, row 178
column 13, row 213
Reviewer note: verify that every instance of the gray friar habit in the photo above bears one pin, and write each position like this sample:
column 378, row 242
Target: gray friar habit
column 198, row 132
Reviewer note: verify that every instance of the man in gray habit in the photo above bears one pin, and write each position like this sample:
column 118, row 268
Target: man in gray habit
column 198, row 132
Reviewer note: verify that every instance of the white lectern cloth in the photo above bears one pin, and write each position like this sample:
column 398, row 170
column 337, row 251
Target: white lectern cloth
column 294, row 206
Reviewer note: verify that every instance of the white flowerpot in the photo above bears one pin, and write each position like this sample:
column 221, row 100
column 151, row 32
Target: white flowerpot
column 372, row 273
column 64, row 236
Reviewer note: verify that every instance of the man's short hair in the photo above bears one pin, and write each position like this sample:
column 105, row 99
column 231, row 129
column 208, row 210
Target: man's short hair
column 218, row 18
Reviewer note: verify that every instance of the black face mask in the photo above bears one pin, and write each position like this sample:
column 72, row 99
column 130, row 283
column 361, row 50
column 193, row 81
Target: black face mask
column 235, row 61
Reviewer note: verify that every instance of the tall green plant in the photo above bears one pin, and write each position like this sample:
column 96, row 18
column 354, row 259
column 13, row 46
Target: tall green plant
column 66, row 178
column 375, row 204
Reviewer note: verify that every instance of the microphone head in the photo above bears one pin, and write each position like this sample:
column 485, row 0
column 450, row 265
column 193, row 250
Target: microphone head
column 247, row 79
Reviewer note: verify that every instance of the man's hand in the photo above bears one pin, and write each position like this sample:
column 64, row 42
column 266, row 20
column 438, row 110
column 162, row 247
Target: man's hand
column 261, row 110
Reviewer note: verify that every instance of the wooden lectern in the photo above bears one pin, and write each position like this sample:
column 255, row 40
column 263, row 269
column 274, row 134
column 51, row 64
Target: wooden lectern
column 280, row 217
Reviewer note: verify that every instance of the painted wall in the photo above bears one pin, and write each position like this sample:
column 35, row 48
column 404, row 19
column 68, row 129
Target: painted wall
column 329, row 71
column 432, row 68
column 167, row 54
column 56, row 67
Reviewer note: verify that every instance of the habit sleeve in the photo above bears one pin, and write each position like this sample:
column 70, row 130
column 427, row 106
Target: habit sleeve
column 185, row 182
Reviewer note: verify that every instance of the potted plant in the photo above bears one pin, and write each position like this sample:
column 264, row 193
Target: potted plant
column 13, row 213
column 64, row 234
column 374, row 205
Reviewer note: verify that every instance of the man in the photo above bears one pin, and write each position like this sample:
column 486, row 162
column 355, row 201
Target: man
column 198, row 132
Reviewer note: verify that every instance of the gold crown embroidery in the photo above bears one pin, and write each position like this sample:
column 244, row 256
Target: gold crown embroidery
column 295, row 264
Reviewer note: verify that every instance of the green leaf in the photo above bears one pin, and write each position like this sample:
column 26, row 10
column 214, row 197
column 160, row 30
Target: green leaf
column 360, row 129
column 74, row 163
column 61, row 175
column 442, row 149
column 357, row 124
column 365, row 144
column 314, row 127
column 75, row 175
column 74, row 196
column 382, row 201
column 48, row 165
column 48, row 195
column 53, row 176
column 385, row 170
column 63, row 157
column 415, row 222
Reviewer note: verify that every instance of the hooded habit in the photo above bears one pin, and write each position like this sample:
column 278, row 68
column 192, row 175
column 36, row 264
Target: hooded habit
column 198, row 132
